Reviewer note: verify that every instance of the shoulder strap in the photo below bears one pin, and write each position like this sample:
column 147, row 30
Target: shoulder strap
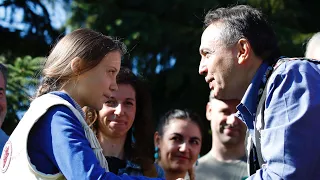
column 259, row 125
column 255, row 159
column 48, row 100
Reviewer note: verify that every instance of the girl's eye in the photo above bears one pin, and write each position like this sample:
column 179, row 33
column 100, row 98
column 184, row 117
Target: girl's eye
column 112, row 72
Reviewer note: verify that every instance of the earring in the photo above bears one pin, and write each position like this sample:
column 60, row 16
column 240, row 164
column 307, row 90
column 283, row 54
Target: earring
column 156, row 153
column 197, row 162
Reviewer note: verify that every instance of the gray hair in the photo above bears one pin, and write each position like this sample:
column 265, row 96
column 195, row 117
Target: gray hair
column 243, row 21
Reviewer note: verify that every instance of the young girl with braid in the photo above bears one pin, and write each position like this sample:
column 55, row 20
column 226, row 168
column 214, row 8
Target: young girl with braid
column 53, row 140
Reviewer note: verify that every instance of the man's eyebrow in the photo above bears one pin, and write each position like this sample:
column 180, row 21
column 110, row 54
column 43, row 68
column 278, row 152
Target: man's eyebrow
column 201, row 49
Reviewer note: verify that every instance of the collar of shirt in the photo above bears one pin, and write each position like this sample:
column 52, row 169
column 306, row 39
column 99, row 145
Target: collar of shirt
column 70, row 100
column 248, row 105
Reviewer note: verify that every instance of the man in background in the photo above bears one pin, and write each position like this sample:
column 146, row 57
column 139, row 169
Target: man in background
column 3, row 104
column 226, row 159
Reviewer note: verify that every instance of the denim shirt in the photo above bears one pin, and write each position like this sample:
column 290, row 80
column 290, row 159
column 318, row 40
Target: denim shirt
column 289, row 143
column 133, row 169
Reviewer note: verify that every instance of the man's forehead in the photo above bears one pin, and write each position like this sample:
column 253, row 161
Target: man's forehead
column 213, row 31
column 211, row 36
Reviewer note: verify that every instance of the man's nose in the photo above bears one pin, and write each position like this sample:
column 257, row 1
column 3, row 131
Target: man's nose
column 203, row 70
column 232, row 120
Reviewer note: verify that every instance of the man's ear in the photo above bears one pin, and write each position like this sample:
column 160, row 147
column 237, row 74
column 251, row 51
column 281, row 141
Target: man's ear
column 156, row 139
column 76, row 65
column 208, row 111
column 244, row 48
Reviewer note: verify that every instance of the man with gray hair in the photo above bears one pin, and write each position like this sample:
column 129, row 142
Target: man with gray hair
column 3, row 104
column 226, row 159
column 313, row 47
column 280, row 102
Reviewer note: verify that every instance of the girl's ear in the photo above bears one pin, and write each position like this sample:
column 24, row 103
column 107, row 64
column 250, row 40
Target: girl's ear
column 76, row 65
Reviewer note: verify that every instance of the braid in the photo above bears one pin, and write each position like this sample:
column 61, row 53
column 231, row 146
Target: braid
column 43, row 89
column 91, row 118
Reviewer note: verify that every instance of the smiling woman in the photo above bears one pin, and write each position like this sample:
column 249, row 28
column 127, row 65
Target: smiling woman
column 178, row 143
column 124, row 127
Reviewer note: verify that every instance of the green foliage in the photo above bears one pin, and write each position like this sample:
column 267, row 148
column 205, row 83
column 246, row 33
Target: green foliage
column 21, row 83
column 293, row 21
